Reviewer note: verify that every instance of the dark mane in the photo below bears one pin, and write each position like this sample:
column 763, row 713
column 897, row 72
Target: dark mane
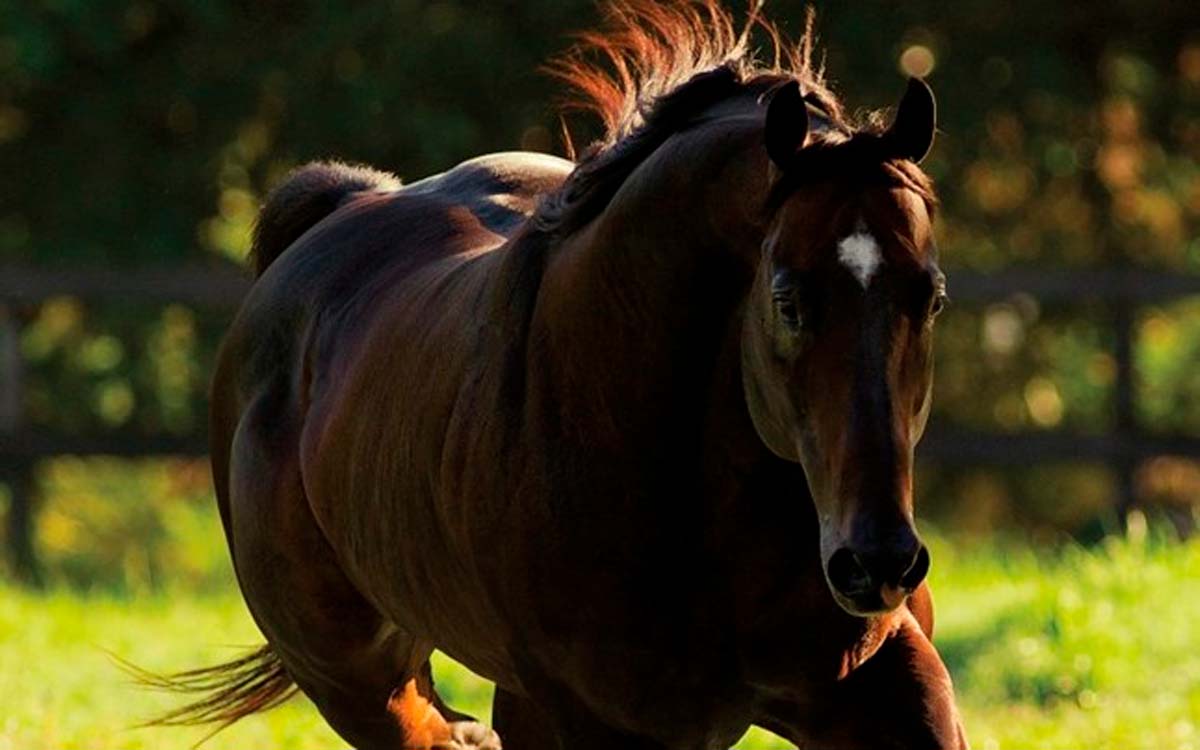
column 655, row 67
column 651, row 48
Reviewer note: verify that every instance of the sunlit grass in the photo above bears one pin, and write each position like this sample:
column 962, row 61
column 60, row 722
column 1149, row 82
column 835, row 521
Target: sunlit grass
column 1074, row 649
column 1080, row 649
column 59, row 689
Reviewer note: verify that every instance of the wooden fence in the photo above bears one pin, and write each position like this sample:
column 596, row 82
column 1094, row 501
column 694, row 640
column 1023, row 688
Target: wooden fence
column 1120, row 292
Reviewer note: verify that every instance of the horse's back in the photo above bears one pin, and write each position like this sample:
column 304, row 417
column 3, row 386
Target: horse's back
column 374, row 242
column 500, row 190
column 471, row 208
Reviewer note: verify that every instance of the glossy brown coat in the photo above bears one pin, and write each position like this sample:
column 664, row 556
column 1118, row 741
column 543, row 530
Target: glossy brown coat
column 501, row 412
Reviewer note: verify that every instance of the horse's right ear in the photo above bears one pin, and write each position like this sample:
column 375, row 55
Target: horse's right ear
column 787, row 124
column 911, row 133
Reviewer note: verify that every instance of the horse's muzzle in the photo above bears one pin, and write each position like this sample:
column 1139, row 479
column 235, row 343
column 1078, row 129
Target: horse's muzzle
column 870, row 581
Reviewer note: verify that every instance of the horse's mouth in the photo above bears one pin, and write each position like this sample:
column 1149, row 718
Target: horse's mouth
column 873, row 603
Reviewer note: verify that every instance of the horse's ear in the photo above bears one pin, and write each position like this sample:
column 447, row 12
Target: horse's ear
column 910, row 135
column 787, row 124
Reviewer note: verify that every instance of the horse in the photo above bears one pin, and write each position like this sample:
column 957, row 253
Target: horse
column 631, row 436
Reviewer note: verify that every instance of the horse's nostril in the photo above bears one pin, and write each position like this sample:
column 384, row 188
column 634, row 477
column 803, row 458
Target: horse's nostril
column 847, row 574
column 917, row 571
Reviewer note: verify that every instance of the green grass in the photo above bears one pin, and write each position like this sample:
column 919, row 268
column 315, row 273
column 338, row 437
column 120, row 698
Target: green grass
column 1073, row 649
column 1082, row 649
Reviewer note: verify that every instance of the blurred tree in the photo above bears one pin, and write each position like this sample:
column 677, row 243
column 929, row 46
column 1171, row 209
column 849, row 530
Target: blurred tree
column 147, row 131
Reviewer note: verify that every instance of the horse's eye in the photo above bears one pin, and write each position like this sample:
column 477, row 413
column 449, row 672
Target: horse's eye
column 791, row 292
column 940, row 300
column 789, row 313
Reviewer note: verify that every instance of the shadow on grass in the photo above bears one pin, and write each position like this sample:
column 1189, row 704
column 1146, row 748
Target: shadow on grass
column 960, row 649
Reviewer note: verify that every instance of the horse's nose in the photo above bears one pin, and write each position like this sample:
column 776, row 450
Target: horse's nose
column 902, row 562
column 885, row 570
column 847, row 574
column 917, row 569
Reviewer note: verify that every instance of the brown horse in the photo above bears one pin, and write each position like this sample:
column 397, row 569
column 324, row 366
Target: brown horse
column 631, row 437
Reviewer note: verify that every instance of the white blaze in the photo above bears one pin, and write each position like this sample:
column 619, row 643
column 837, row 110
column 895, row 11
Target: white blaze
column 860, row 253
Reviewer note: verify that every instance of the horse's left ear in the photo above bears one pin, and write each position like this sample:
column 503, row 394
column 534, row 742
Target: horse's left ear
column 910, row 135
column 787, row 124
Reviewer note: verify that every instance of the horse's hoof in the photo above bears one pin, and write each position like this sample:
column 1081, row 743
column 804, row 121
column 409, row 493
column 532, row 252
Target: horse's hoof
column 471, row 735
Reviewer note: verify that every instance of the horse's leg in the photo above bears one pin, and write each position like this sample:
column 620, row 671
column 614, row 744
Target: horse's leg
column 522, row 723
column 371, row 681
column 899, row 699
column 583, row 732
column 559, row 723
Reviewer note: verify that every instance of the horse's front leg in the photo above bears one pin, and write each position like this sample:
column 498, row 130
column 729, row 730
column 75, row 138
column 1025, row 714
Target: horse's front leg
column 901, row 698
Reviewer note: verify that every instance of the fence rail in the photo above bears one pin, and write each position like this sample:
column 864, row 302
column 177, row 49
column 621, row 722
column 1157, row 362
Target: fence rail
column 1119, row 291
column 224, row 285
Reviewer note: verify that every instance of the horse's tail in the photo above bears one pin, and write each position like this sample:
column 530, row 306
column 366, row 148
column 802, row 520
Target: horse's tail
column 225, row 692
column 306, row 196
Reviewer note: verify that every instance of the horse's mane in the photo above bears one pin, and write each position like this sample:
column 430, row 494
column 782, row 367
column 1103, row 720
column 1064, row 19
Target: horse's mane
column 653, row 68
column 649, row 49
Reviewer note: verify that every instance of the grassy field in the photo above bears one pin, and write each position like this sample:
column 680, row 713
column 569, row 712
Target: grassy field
column 1072, row 649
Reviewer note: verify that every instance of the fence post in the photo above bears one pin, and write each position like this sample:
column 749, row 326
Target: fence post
column 18, row 474
column 22, row 552
column 1124, row 398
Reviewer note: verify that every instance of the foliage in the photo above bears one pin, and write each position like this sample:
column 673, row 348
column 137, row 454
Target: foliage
column 130, row 528
column 147, row 132
column 131, row 368
column 1059, row 650
column 154, row 126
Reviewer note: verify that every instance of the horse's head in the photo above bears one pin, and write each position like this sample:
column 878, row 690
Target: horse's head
column 837, row 343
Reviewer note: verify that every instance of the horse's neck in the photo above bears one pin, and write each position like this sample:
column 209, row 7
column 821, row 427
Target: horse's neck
column 639, row 312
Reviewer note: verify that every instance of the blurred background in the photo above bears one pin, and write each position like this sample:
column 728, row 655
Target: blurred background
column 1061, row 473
